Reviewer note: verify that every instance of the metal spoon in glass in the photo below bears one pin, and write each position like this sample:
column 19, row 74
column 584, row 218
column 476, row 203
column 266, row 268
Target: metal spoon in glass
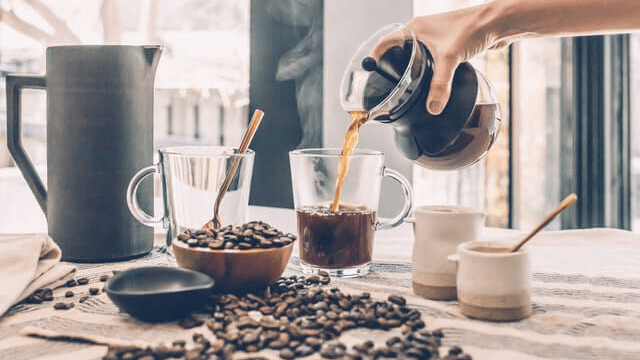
column 563, row 205
column 216, row 223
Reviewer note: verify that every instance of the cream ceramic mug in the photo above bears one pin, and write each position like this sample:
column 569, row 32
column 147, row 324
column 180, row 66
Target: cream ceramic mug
column 438, row 230
column 493, row 284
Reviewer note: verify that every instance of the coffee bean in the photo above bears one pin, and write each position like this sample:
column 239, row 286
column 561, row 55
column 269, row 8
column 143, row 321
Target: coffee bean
column 192, row 354
column 298, row 317
column 251, row 337
column 333, row 350
column 104, row 278
column 83, row 281
column 163, row 352
column 392, row 341
column 280, row 342
column 128, row 356
column 71, row 283
column 455, row 350
column 190, row 323
column 314, row 342
column 248, row 236
column 68, row 294
column 94, row 291
column 83, row 299
column 287, row 354
column 398, row 300
column 63, row 306
column 246, row 321
column 40, row 295
column 304, row 350
column 216, row 244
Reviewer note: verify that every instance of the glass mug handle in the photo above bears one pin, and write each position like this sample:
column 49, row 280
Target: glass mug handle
column 132, row 202
column 385, row 223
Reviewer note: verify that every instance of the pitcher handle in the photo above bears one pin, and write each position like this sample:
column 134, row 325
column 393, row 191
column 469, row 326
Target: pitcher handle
column 132, row 200
column 14, row 86
column 385, row 223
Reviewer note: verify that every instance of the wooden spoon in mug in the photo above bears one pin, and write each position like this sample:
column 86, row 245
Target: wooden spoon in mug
column 563, row 205
column 216, row 223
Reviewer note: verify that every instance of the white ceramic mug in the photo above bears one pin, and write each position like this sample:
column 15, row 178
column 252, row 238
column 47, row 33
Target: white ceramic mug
column 493, row 284
column 437, row 232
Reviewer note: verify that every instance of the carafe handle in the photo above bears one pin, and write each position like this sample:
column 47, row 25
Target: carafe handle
column 14, row 86
column 384, row 223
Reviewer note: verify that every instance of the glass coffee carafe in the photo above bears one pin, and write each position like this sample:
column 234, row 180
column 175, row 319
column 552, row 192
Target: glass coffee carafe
column 388, row 78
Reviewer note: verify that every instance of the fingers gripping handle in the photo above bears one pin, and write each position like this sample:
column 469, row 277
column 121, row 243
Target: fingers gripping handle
column 14, row 86
column 132, row 200
column 384, row 223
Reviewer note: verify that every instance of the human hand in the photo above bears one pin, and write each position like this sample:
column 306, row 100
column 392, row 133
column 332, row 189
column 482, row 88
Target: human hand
column 452, row 38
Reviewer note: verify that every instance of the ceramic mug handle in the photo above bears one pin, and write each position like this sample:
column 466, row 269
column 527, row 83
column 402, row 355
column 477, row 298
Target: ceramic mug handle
column 132, row 201
column 384, row 223
column 454, row 258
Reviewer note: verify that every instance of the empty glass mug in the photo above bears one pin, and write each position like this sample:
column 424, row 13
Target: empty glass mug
column 340, row 242
column 191, row 177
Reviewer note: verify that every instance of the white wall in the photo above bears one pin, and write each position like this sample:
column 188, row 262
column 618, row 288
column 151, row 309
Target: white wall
column 347, row 24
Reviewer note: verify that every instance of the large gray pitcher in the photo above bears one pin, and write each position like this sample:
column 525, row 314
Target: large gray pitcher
column 99, row 133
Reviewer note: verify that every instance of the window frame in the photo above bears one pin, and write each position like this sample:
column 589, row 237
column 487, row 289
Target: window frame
column 595, row 116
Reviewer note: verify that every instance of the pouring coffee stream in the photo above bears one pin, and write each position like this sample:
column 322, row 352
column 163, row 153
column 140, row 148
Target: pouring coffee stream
column 359, row 118
column 215, row 223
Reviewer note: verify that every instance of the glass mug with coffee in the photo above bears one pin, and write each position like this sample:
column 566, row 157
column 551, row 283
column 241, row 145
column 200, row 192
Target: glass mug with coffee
column 337, row 215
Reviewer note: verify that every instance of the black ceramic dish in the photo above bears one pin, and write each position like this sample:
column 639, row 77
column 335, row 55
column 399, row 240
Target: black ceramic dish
column 158, row 293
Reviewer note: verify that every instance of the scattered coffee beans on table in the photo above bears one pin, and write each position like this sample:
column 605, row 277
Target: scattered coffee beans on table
column 252, row 235
column 297, row 317
column 39, row 296
column 63, row 306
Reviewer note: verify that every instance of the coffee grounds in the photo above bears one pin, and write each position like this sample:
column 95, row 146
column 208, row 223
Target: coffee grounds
column 252, row 235
column 299, row 316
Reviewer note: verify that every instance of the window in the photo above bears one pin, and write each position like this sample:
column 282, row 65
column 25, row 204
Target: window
column 202, row 81
column 202, row 97
column 635, row 130
column 536, row 136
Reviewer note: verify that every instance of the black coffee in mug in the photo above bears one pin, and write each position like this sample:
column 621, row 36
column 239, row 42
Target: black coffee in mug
column 338, row 239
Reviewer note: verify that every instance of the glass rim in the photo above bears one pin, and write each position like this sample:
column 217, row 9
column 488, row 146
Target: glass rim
column 204, row 151
column 333, row 152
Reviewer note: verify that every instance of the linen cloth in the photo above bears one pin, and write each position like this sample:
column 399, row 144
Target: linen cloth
column 28, row 262
column 586, row 296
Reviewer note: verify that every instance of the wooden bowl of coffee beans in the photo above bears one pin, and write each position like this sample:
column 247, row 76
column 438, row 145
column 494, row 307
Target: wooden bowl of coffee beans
column 238, row 257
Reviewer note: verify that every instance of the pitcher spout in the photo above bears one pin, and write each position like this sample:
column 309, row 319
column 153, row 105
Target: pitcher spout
column 152, row 57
